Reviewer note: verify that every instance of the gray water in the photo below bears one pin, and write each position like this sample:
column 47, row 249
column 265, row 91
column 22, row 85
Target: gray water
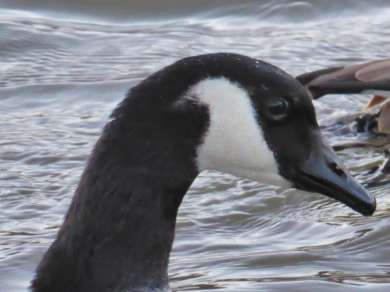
column 64, row 65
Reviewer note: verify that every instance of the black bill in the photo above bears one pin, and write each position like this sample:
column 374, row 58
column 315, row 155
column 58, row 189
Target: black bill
column 322, row 172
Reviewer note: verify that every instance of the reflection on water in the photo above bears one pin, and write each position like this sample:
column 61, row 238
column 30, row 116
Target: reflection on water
column 62, row 73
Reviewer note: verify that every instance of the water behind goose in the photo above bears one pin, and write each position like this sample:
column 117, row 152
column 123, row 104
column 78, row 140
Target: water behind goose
column 65, row 64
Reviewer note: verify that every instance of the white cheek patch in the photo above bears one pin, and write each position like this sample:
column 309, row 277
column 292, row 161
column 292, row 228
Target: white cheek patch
column 234, row 142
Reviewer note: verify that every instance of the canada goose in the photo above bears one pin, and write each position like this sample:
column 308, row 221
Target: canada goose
column 223, row 112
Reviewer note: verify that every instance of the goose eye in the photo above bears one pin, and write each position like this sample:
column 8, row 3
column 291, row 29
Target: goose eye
column 278, row 109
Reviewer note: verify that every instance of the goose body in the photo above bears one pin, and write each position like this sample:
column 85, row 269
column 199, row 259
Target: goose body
column 368, row 78
column 371, row 77
column 223, row 112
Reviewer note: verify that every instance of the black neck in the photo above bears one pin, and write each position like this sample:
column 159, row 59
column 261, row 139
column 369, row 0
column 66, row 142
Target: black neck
column 119, row 229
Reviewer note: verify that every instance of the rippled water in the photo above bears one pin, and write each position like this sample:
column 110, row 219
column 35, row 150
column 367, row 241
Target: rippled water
column 64, row 66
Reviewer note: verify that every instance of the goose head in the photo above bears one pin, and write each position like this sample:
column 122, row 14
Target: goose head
column 262, row 126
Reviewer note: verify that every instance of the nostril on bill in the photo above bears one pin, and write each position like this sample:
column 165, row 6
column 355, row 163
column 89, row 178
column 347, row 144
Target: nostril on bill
column 337, row 169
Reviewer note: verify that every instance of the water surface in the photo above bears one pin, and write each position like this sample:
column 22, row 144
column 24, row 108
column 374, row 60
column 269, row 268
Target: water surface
column 64, row 65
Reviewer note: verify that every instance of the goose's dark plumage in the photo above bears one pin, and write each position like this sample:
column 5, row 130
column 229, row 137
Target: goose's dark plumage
column 374, row 75
column 189, row 116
